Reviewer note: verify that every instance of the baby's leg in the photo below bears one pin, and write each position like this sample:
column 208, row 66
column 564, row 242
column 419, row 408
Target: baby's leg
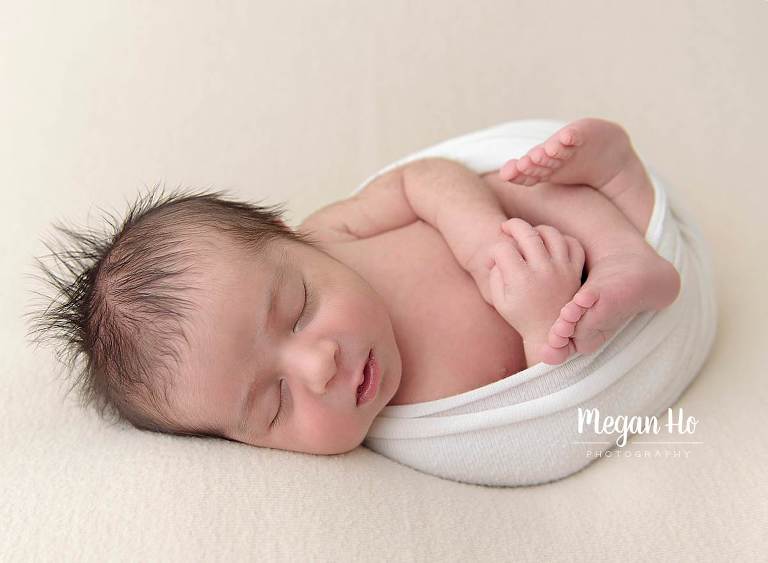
column 592, row 152
column 625, row 275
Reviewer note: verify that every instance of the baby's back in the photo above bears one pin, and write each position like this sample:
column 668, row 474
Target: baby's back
column 450, row 339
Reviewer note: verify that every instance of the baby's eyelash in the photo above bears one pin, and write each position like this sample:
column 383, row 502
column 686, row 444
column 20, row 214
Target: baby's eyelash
column 309, row 297
column 309, row 302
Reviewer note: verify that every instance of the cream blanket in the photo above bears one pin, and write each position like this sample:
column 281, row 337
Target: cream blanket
column 523, row 430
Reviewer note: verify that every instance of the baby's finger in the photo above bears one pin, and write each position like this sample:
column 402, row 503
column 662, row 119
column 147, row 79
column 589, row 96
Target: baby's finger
column 554, row 241
column 507, row 258
column 528, row 240
column 575, row 251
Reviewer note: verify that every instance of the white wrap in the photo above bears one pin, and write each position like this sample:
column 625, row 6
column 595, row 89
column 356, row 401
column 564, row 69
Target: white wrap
column 522, row 430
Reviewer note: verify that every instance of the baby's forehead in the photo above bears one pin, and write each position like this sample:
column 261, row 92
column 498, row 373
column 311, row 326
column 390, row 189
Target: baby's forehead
column 232, row 290
column 218, row 258
column 217, row 248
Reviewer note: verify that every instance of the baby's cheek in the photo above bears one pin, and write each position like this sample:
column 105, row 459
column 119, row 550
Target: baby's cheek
column 332, row 432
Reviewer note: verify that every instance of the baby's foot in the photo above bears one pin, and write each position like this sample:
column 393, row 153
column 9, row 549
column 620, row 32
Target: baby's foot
column 590, row 152
column 587, row 151
column 618, row 287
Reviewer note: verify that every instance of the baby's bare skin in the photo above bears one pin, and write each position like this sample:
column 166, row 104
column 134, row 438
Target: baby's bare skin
column 449, row 340
column 401, row 274
column 533, row 275
column 431, row 318
column 624, row 281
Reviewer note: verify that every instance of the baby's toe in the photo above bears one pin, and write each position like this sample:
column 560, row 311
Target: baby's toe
column 585, row 297
column 529, row 168
column 563, row 328
column 557, row 341
column 539, row 156
column 555, row 149
column 570, row 137
column 554, row 356
column 571, row 312
column 509, row 170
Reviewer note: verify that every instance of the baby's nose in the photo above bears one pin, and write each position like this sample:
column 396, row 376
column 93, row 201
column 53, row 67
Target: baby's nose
column 318, row 367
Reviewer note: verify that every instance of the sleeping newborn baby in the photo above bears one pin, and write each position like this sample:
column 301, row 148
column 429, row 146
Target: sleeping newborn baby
column 210, row 317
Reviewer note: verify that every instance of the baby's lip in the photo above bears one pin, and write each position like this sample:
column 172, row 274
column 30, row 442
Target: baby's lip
column 359, row 377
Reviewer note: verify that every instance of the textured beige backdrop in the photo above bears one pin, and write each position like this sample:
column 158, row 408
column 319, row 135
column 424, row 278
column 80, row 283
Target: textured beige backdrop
column 297, row 102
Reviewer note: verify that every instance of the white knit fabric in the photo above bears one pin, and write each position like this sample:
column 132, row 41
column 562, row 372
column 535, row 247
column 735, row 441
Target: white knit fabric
column 522, row 430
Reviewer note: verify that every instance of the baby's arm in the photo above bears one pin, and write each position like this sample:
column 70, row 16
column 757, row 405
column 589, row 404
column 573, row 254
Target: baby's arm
column 624, row 271
column 445, row 194
column 468, row 209
column 458, row 203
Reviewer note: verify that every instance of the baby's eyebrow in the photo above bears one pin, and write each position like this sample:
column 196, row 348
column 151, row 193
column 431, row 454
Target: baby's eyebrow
column 283, row 267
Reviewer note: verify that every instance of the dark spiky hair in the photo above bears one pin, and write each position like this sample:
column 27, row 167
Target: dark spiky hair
column 119, row 314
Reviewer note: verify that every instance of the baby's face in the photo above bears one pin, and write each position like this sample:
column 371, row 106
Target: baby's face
column 306, row 362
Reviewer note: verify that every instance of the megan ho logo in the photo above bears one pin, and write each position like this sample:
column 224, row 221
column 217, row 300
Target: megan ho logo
column 676, row 425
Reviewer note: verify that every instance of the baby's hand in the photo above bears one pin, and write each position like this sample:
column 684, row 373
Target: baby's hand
column 536, row 271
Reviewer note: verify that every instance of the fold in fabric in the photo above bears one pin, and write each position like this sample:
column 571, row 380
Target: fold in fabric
column 523, row 429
